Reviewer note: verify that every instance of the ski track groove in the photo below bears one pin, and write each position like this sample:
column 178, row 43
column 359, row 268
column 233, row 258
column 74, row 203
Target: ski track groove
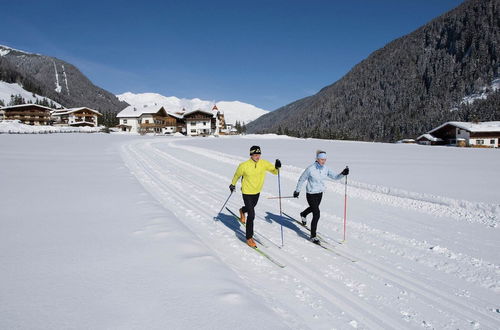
column 327, row 293
column 473, row 212
column 412, row 285
column 443, row 299
column 470, row 263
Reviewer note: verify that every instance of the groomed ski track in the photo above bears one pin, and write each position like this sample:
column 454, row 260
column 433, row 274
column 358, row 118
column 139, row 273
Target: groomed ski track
column 398, row 281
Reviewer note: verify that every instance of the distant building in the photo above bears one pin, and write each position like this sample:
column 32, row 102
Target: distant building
column 148, row 119
column 468, row 134
column 76, row 117
column 198, row 122
column 155, row 119
column 428, row 139
column 29, row 114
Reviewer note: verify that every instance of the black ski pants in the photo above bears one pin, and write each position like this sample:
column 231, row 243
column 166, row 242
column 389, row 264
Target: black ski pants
column 250, row 203
column 313, row 200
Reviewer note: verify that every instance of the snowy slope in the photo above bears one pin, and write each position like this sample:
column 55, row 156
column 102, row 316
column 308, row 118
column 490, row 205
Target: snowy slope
column 144, row 250
column 8, row 89
column 233, row 110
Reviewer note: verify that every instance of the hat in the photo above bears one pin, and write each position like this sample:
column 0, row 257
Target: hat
column 255, row 150
column 320, row 154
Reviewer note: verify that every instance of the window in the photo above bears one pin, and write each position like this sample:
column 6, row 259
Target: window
column 124, row 121
column 204, row 123
column 147, row 121
column 193, row 131
column 492, row 141
column 459, row 131
column 480, row 141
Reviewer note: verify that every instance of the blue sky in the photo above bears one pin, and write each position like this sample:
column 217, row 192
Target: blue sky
column 268, row 53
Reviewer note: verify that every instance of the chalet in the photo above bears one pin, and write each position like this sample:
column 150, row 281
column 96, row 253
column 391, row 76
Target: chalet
column 199, row 122
column 30, row 114
column 469, row 134
column 76, row 117
column 149, row 119
column 428, row 139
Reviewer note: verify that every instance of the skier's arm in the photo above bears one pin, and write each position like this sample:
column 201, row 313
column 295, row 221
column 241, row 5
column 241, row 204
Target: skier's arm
column 271, row 168
column 334, row 176
column 302, row 179
column 237, row 174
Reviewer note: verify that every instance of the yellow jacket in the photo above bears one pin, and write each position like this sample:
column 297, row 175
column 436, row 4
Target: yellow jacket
column 253, row 174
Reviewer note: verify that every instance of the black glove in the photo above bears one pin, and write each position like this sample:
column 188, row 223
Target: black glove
column 277, row 164
column 345, row 171
column 232, row 187
column 296, row 194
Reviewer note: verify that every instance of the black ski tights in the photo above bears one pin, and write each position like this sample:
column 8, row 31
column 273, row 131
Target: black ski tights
column 250, row 203
column 313, row 200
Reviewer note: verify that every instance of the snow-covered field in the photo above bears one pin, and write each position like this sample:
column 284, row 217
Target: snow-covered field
column 115, row 231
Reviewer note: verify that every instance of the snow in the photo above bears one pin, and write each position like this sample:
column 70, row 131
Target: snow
column 7, row 49
column 15, row 126
column 65, row 79
column 58, row 87
column 429, row 137
column 487, row 126
column 118, row 231
column 136, row 111
column 8, row 89
column 71, row 110
column 233, row 110
column 483, row 94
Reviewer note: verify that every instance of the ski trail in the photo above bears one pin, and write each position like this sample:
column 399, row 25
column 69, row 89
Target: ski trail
column 403, row 281
column 486, row 214
column 171, row 185
column 414, row 250
column 329, row 295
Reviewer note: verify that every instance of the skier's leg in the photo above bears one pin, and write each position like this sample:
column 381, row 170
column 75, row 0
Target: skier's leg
column 314, row 200
column 308, row 209
column 250, row 202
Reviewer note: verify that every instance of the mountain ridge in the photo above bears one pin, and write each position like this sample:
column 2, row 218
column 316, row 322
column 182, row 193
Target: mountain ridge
column 408, row 86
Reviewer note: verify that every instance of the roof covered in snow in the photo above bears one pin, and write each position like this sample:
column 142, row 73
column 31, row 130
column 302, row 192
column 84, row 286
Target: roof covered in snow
column 135, row 111
column 199, row 110
column 26, row 105
column 68, row 111
column 487, row 126
column 429, row 137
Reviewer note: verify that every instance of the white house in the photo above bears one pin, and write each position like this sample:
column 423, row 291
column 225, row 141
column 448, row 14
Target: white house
column 148, row 119
column 76, row 117
column 199, row 122
column 469, row 134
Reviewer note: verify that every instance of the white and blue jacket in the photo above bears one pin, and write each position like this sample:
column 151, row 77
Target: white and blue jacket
column 315, row 174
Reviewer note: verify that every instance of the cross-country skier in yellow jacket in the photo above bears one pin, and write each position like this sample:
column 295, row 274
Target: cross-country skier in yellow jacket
column 253, row 174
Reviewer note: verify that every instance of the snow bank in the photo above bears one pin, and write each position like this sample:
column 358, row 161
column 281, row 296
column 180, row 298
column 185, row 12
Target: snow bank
column 16, row 127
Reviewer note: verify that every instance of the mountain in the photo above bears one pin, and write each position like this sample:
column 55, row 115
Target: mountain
column 57, row 80
column 446, row 70
column 233, row 110
column 7, row 90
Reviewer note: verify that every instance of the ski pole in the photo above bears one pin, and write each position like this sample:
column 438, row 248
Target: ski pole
column 345, row 205
column 227, row 200
column 281, row 211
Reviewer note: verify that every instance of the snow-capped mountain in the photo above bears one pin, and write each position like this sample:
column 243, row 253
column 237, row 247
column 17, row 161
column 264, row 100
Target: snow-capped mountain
column 9, row 89
column 233, row 110
column 53, row 79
